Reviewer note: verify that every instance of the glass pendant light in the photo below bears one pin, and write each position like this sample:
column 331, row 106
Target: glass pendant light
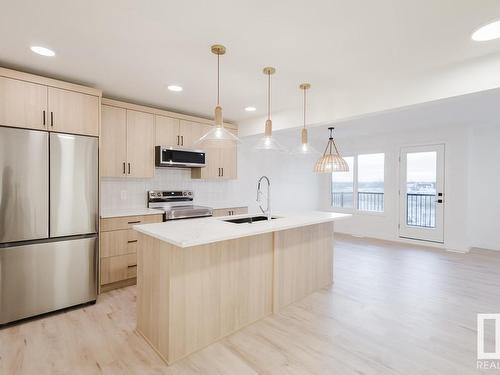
column 218, row 136
column 331, row 161
column 268, row 142
column 304, row 147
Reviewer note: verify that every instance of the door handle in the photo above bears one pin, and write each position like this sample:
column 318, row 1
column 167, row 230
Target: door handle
column 222, row 171
column 182, row 140
column 51, row 118
column 124, row 170
column 133, row 222
column 44, row 117
column 131, row 241
column 219, row 172
column 178, row 140
column 132, row 266
column 128, row 168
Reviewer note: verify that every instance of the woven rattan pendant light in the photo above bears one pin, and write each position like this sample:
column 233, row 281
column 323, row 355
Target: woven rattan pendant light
column 331, row 161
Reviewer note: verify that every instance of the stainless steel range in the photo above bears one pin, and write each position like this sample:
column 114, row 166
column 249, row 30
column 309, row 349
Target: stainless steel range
column 177, row 204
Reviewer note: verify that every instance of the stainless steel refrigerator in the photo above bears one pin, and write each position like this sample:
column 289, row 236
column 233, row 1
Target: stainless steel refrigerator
column 48, row 222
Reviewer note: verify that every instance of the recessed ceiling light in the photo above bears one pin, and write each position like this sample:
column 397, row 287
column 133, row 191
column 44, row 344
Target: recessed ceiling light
column 487, row 32
column 250, row 109
column 43, row 51
column 175, row 88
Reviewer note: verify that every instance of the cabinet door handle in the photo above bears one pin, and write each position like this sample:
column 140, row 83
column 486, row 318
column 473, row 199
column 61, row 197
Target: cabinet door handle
column 132, row 266
column 219, row 172
column 182, row 140
column 51, row 118
column 128, row 168
column 131, row 241
column 133, row 222
column 44, row 117
column 178, row 140
column 222, row 171
column 124, row 170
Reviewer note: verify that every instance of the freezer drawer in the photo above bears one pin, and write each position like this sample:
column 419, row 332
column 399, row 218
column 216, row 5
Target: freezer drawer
column 43, row 277
column 73, row 185
column 24, row 185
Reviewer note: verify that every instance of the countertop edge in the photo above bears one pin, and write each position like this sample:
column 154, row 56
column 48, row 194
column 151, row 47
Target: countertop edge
column 131, row 212
column 187, row 244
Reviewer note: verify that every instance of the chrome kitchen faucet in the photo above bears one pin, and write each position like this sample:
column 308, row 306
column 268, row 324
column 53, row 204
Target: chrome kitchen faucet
column 267, row 211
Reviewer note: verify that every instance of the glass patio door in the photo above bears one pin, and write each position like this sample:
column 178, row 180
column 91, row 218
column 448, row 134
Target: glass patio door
column 422, row 193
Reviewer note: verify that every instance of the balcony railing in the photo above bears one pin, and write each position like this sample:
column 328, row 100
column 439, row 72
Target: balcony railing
column 342, row 199
column 367, row 201
column 421, row 210
column 370, row 201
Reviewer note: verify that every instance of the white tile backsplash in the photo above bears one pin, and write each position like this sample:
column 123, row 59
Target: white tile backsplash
column 293, row 183
column 120, row 192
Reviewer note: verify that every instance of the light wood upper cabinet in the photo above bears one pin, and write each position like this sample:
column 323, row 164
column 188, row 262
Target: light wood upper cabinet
column 190, row 132
column 23, row 104
column 113, row 141
column 167, row 131
column 178, row 133
column 127, row 143
column 221, row 162
column 73, row 112
column 140, row 144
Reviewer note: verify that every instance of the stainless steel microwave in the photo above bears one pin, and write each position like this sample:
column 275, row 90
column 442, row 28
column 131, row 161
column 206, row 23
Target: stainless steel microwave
column 166, row 156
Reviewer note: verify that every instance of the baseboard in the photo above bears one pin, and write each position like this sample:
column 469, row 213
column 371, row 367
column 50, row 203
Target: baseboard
column 409, row 241
column 118, row 284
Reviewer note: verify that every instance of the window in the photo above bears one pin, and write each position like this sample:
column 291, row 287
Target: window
column 343, row 186
column 361, row 188
column 371, row 182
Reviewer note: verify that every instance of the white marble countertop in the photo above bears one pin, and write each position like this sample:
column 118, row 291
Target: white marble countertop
column 120, row 212
column 193, row 232
column 220, row 205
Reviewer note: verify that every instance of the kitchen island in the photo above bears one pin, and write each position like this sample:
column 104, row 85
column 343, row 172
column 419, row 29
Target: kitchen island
column 199, row 280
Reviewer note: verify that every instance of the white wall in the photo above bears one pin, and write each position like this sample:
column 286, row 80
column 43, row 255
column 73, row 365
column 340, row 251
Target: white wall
column 385, row 225
column 294, row 186
column 484, row 186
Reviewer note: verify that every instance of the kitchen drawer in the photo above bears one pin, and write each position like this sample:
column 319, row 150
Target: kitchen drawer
column 118, row 268
column 230, row 211
column 118, row 242
column 126, row 222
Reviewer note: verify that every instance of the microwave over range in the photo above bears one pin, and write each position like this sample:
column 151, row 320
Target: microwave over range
column 166, row 156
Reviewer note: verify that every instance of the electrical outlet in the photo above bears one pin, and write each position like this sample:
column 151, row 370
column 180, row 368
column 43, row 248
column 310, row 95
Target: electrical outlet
column 123, row 195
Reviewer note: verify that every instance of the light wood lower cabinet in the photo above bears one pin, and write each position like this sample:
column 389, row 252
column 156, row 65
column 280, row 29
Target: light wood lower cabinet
column 230, row 211
column 118, row 248
column 118, row 268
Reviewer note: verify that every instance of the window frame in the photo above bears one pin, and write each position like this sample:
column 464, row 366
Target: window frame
column 355, row 209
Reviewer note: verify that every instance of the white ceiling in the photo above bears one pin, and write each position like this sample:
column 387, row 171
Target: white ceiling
column 133, row 49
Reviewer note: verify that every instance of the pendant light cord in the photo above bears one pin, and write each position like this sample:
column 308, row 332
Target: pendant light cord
column 304, row 107
column 218, row 79
column 269, row 96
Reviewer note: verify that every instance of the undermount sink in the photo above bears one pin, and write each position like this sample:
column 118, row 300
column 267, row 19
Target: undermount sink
column 249, row 220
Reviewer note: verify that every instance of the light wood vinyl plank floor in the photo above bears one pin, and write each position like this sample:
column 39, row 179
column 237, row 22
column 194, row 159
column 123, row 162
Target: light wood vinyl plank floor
column 394, row 309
